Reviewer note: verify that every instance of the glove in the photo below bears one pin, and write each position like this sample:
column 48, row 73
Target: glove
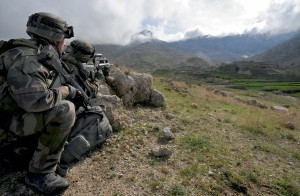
column 72, row 92
column 75, row 96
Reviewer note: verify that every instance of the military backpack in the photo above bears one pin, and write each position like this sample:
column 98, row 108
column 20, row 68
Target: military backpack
column 91, row 129
column 13, row 49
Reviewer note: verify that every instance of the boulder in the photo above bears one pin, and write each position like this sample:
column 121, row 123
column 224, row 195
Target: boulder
column 280, row 108
column 134, row 88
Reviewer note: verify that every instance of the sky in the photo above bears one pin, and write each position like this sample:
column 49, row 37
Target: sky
column 115, row 21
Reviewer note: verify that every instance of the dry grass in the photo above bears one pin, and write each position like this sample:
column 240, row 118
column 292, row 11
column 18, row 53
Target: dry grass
column 221, row 147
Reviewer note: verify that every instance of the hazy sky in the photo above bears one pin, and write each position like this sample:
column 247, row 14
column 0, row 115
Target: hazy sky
column 115, row 21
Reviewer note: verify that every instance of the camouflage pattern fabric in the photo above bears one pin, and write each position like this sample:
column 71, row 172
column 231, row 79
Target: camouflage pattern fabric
column 82, row 50
column 53, row 127
column 41, row 110
column 76, row 68
column 48, row 26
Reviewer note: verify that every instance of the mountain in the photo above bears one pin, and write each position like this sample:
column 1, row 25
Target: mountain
column 146, row 56
column 145, row 52
column 230, row 48
column 143, row 37
column 286, row 54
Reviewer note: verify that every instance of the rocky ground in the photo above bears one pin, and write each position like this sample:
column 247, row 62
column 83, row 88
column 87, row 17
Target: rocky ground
column 118, row 167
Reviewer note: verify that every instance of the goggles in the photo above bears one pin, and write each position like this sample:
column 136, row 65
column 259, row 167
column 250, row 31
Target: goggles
column 69, row 32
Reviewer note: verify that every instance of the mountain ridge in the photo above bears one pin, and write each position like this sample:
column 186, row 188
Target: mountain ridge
column 286, row 54
column 156, row 54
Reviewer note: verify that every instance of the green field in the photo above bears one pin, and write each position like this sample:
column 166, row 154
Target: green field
column 291, row 88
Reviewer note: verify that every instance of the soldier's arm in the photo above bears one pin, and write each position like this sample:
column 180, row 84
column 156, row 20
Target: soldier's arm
column 29, row 87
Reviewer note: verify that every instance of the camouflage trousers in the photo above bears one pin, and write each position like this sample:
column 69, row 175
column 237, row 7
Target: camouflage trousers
column 52, row 126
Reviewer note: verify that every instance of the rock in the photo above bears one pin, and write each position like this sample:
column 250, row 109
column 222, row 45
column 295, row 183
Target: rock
column 167, row 134
column 238, row 98
column 262, row 106
column 134, row 88
column 252, row 102
column 209, row 88
column 195, row 106
column 279, row 108
column 290, row 125
column 278, row 93
column 210, row 173
column 223, row 93
column 111, row 100
column 157, row 99
column 161, row 152
column 104, row 90
column 170, row 116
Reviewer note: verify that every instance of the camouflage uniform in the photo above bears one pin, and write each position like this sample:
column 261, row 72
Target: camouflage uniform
column 32, row 106
column 77, row 53
column 39, row 110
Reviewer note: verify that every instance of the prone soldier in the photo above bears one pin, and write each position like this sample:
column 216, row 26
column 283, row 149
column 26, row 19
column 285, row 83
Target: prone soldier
column 80, row 52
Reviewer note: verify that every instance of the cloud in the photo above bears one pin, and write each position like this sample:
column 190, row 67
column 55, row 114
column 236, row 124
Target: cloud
column 115, row 21
column 108, row 21
column 282, row 17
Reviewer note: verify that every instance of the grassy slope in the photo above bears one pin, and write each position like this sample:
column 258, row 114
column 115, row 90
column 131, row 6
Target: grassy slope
column 221, row 147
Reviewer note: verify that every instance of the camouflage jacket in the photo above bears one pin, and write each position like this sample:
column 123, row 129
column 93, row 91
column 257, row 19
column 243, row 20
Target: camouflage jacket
column 76, row 68
column 28, row 81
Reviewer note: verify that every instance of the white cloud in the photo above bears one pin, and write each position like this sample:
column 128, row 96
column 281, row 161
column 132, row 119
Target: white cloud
column 115, row 21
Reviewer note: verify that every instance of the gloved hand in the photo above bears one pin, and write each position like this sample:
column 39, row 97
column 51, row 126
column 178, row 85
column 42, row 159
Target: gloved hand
column 72, row 92
column 75, row 96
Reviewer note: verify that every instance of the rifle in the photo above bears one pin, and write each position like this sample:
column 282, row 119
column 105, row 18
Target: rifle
column 49, row 57
column 81, row 81
column 101, row 63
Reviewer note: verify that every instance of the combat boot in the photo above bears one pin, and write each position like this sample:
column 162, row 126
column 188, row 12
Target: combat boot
column 47, row 183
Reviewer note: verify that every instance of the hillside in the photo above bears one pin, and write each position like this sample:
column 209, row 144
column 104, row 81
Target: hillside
column 144, row 57
column 225, row 143
column 230, row 48
column 147, row 53
column 286, row 54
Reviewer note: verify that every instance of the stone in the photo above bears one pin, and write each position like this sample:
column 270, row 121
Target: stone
column 290, row 125
column 161, row 152
column 170, row 116
column 167, row 134
column 280, row 108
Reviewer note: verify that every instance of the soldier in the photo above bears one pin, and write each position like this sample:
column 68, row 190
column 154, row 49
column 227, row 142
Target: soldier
column 32, row 106
column 76, row 54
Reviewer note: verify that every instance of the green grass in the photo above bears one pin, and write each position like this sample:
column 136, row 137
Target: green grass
column 269, row 85
column 178, row 190
column 196, row 142
column 261, row 82
column 287, row 185
column 244, row 146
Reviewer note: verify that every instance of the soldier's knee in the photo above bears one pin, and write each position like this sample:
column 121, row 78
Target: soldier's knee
column 65, row 112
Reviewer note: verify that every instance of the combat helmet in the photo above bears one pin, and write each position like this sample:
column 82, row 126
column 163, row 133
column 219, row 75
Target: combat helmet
column 48, row 26
column 82, row 50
